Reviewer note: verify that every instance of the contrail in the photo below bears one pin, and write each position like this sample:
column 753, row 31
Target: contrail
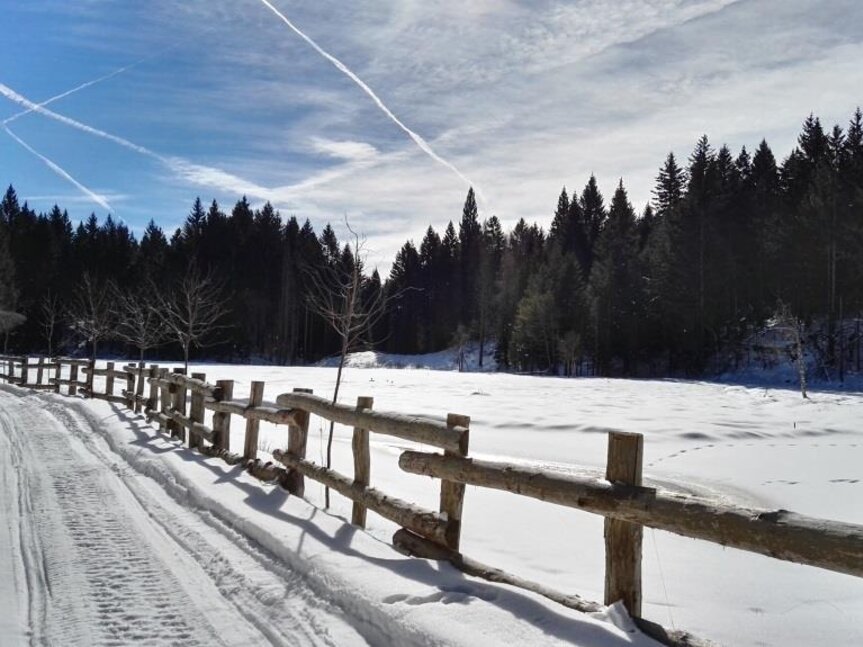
column 59, row 171
column 74, row 90
column 197, row 173
column 10, row 94
column 344, row 69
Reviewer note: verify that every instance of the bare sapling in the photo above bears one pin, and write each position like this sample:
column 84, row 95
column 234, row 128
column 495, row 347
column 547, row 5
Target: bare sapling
column 91, row 313
column 51, row 310
column 194, row 311
column 791, row 326
column 139, row 323
column 337, row 295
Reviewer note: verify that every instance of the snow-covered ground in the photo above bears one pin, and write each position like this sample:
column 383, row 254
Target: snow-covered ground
column 757, row 446
column 113, row 535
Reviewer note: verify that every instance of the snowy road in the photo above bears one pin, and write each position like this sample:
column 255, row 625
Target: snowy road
column 93, row 553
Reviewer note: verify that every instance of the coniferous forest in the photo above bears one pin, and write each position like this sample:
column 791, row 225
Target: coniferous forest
column 727, row 240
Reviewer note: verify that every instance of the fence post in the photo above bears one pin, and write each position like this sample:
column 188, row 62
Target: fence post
column 130, row 388
column 222, row 421
column 139, row 389
column 256, row 396
column 178, row 403
column 196, row 411
column 73, row 378
column 58, row 367
column 298, row 436
column 109, row 380
column 362, row 461
column 452, row 494
column 25, row 371
column 91, row 368
column 623, row 539
column 153, row 395
column 40, row 371
column 166, row 397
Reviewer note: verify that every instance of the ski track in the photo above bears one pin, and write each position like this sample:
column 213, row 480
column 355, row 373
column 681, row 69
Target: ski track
column 107, row 558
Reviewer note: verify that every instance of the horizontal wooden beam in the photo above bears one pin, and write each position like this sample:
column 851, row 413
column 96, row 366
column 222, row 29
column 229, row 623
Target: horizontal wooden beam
column 414, row 428
column 178, row 379
column 72, row 361
column 62, row 382
column 780, row 534
column 267, row 411
column 425, row 523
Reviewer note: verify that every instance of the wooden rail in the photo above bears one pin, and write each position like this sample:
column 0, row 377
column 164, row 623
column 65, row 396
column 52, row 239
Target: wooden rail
column 781, row 534
column 179, row 404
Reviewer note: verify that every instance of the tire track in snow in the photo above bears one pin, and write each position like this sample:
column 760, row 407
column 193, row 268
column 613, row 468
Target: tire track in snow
column 142, row 568
column 269, row 594
column 92, row 576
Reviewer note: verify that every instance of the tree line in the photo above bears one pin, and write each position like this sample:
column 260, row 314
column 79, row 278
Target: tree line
column 726, row 242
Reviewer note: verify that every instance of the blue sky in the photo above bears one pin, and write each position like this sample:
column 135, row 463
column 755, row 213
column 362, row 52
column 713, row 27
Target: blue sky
column 223, row 98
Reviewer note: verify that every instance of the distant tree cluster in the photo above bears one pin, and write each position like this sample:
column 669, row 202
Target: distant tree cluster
column 725, row 239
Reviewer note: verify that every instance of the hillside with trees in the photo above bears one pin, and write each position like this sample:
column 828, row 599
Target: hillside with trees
column 727, row 240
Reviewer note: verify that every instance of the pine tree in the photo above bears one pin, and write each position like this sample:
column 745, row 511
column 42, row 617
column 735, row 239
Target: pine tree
column 670, row 187
column 470, row 247
column 616, row 286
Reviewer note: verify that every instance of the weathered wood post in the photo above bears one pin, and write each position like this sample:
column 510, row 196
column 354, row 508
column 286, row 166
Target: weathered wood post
column 178, row 403
column 91, row 370
column 362, row 461
column 109, row 380
column 139, row 389
column 166, row 396
column 256, row 396
column 131, row 374
column 622, row 538
column 153, row 395
column 222, row 421
column 25, row 370
column 298, row 437
column 196, row 410
column 58, row 368
column 40, row 371
column 451, row 493
column 73, row 378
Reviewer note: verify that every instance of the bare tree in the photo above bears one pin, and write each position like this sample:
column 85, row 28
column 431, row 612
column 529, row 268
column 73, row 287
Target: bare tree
column 140, row 323
column 193, row 311
column 91, row 313
column 8, row 322
column 790, row 326
column 51, row 311
column 336, row 294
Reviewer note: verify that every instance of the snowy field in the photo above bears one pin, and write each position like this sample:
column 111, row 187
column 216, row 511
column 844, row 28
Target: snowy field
column 755, row 446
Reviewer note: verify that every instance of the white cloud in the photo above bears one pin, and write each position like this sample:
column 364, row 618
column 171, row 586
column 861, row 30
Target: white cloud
column 344, row 150
column 523, row 96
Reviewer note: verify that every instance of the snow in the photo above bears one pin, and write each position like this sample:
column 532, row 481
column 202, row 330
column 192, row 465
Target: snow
column 444, row 360
column 754, row 446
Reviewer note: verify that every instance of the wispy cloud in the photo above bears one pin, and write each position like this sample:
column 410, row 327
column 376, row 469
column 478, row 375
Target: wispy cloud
column 344, row 69
column 524, row 95
column 189, row 171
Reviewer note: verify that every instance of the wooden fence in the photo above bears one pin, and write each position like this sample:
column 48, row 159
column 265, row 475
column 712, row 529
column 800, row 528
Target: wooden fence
column 177, row 403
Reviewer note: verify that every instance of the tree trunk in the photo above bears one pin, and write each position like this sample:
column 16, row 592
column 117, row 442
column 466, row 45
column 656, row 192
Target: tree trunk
column 332, row 423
